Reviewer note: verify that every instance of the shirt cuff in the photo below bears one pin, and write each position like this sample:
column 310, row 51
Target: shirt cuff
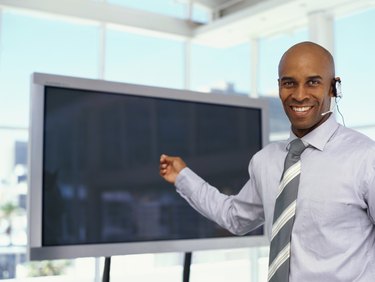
column 187, row 182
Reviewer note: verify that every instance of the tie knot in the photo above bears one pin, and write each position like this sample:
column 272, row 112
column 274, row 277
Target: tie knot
column 296, row 147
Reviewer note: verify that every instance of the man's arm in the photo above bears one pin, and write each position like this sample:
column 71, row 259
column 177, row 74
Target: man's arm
column 239, row 214
column 371, row 197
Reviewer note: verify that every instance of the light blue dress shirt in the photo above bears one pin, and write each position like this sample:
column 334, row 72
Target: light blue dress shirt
column 333, row 238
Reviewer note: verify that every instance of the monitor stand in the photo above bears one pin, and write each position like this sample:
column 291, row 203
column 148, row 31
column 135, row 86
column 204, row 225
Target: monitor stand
column 186, row 271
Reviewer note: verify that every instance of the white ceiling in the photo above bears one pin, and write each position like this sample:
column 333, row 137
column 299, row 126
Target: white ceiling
column 253, row 19
column 233, row 21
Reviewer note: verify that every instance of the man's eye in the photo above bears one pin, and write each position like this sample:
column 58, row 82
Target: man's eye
column 288, row 83
column 313, row 82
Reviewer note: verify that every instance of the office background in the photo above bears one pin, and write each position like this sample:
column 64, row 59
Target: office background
column 230, row 47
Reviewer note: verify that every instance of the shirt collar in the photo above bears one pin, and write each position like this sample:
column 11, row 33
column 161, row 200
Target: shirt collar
column 319, row 137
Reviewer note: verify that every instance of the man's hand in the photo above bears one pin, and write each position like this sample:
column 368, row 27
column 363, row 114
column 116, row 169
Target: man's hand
column 170, row 167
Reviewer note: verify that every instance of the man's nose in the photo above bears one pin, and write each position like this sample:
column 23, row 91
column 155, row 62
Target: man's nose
column 300, row 93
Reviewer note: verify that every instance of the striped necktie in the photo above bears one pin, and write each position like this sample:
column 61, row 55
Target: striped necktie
column 283, row 217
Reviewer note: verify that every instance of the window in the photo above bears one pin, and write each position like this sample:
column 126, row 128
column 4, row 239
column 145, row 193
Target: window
column 145, row 60
column 31, row 43
column 354, row 48
column 221, row 69
column 40, row 44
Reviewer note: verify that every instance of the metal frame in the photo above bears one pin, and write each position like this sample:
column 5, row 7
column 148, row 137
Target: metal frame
column 37, row 251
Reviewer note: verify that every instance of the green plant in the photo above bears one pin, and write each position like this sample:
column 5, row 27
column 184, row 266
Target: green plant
column 47, row 267
column 9, row 210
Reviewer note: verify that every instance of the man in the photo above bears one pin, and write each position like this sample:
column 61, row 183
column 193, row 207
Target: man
column 333, row 234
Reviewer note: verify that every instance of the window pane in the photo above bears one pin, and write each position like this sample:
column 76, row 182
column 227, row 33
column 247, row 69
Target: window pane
column 34, row 44
column 355, row 60
column 143, row 60
column 201, row 14
column 226, row 69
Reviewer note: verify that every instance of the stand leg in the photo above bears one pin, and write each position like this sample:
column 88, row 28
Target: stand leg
column 187, row 263
column 107, row 268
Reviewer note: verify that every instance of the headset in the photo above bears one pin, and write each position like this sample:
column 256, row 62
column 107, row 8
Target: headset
column 336, row 87
column 337, row 95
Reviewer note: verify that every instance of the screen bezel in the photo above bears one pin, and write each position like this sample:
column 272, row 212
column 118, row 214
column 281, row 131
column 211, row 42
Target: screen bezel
column 36, row 251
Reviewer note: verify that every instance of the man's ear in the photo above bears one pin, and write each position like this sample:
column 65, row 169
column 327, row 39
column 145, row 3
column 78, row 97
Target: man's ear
column 332, row 89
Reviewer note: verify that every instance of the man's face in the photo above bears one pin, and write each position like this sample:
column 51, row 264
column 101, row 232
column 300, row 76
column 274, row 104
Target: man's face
column 305, row 89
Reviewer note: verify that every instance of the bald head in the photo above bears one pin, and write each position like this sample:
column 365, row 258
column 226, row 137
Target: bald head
column 308, row 51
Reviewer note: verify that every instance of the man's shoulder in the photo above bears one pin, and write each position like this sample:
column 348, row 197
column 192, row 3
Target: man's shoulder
column 357, row 142
column 355, row 137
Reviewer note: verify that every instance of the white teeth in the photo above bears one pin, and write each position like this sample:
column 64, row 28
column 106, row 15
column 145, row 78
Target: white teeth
column 301, row 109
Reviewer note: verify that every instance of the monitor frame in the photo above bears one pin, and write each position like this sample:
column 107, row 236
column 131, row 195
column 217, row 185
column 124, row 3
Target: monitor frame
column 36, row 251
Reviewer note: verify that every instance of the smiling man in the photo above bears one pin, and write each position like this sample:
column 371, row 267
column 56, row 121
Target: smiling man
column 306, row 83
column 318, row 206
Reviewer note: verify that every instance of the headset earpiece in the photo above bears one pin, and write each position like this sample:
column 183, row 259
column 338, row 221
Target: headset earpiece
column 337, row 95
column 336, row 85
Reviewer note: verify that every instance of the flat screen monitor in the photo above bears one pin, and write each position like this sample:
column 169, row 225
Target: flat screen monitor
column 95, row 145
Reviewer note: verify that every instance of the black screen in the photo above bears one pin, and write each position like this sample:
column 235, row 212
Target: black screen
column 101, row 151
